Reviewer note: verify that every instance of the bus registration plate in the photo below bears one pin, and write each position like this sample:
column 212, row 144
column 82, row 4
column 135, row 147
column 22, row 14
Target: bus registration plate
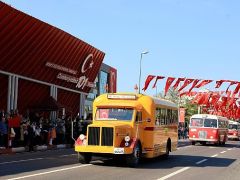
column 118, row 151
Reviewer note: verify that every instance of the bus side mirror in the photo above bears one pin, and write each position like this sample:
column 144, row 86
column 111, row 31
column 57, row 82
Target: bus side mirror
column 138, row 117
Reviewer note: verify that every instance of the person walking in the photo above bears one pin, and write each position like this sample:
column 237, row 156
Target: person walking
column 3, row 133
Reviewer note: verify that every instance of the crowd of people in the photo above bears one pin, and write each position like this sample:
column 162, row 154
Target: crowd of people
column 35, row 129
column 183, row 131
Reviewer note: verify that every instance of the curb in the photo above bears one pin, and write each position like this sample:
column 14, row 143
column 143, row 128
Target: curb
column 36, row 148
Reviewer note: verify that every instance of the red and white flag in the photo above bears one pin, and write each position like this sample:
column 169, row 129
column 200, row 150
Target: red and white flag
column 168, row 84
column 177, row 82
column 219, row 83
column 158, row 77
column 236, row 89
column 147, row 82
column 194, row 84
column 185, row 84
column 203, row 83
column 232, row 83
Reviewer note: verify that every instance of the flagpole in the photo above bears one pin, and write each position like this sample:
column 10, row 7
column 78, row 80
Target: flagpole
column 140, row 71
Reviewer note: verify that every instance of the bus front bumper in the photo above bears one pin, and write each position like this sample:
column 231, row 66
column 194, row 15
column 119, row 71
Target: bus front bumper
column 233, row 137
column 199, row 139
column 103, row 149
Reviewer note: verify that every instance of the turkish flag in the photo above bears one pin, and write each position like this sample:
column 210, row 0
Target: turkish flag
column 232, row 83
column 158, row 77
column 177, row 82
column 236, row 89
column 204, row 98
column 186, row 83
column 214, row 99
column 224, row 101
column 194, row 84
column 197, row 98
column 203, row 83
column 168, row 84
column 219, row 83
column 148, row 80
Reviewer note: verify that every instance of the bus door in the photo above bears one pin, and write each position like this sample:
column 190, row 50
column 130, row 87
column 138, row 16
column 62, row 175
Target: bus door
column 138, row 125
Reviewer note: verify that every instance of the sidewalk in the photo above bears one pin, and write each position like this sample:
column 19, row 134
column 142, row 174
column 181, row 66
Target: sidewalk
column 36, row 148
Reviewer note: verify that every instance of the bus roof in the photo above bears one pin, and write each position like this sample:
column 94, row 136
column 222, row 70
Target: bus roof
column 164, row 102
column 233, row 122
column 132, row 97
column 211, row 116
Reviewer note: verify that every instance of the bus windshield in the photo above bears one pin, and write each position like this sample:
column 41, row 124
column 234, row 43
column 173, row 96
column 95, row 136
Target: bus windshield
column 199, row 122
column 196, row 122
column 232, row 126
column 210, row 123
column 111, row 114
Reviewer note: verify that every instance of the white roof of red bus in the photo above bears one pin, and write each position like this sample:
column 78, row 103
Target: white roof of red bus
column 233, row 122
column 210, row 116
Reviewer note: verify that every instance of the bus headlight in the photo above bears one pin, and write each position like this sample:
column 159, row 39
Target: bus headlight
column 82, row 137
column 126, row 144
column 127, row 138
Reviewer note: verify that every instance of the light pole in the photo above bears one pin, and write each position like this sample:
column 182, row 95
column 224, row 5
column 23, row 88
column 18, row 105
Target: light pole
column 140, row 71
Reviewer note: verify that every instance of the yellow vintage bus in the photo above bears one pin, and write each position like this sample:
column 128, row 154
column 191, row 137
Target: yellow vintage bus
column 129, row 126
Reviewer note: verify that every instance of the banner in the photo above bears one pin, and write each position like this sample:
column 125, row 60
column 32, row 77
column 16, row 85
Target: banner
column 181, row 115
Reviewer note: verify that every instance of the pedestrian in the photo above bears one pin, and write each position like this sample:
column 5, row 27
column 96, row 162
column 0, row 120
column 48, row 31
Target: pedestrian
column 3, row 133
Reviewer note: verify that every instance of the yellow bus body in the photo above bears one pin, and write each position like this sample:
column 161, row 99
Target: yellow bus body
column 108, row 136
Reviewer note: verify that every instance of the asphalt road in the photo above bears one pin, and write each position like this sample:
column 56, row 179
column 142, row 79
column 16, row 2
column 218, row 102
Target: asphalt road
column 188, row 162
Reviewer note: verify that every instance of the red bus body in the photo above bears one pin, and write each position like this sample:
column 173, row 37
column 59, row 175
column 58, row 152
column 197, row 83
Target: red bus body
column 205, row 128
column 234, row 130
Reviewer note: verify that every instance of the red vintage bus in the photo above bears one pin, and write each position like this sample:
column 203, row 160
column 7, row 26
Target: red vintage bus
column 205, row 128
column 234, row 130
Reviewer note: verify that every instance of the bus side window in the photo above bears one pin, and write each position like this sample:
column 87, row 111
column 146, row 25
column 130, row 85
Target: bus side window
column 163, row 116
column 157, row 121
column 138, row 117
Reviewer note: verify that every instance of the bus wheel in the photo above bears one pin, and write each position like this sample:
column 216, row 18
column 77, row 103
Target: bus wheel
column 133, row 159
column 84, row 158
column 193, row 142
column 166, row 155
column 203, row 143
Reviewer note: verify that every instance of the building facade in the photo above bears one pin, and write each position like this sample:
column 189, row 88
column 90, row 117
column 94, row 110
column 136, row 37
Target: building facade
column 38, row 61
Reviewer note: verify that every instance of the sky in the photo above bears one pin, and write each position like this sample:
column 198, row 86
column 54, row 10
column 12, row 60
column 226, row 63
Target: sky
column 184, row 38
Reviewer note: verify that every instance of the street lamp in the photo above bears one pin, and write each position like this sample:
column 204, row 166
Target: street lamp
column 139, row 83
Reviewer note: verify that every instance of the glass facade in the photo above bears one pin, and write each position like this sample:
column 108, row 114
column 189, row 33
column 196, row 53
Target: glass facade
column 103, row 82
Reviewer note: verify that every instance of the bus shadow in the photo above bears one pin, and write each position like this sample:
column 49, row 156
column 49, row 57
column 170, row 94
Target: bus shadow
column 172, row 162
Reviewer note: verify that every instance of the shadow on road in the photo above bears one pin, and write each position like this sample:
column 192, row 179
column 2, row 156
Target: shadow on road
column 172, row 162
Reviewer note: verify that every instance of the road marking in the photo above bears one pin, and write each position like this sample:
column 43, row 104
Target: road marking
column 222, row 152
column 211, row 147
column 183, row 147
column 67, row 155
column 174, row 173
column 215, row 155
column 229, row 149
column 24, row 160
column 199, row 162
column 48, row 172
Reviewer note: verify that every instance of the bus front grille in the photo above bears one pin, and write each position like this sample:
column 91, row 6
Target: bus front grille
column 107, row 136
column 93, row 136
column 202, row 134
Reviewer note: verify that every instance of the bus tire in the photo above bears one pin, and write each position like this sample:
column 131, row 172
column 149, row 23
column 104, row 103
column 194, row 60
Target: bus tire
column 84, row 158
column 203, row 143
column 193, row 143
column 134, row 158
column 168, row 149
